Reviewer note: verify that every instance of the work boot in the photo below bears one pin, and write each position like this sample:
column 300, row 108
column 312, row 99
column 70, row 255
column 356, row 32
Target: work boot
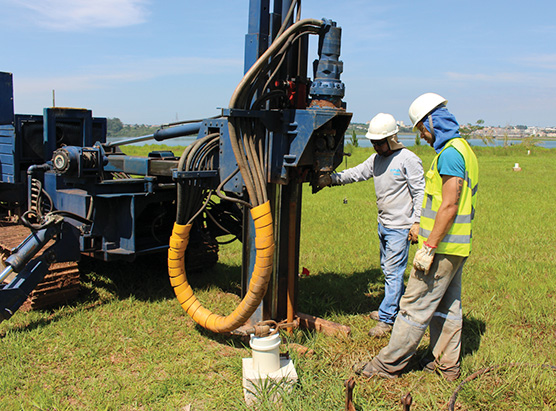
column 430, row 366
column 374, row 316
column 427, row 364
column 371, row 371
column 359, row 366
column 451, row 375
column 380, row 330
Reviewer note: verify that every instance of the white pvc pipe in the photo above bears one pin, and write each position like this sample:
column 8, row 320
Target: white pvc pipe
column 266, row 353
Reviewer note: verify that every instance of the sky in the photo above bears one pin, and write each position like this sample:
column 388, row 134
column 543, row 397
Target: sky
column 148, row 62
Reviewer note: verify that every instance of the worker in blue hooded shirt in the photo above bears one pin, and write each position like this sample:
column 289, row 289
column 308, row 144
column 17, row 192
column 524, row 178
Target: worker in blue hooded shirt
column 433, row 294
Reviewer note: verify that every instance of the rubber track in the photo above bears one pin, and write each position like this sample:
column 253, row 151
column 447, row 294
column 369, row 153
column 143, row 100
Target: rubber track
column 59, row 286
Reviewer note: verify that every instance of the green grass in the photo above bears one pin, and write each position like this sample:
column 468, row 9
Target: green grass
column 126, row 344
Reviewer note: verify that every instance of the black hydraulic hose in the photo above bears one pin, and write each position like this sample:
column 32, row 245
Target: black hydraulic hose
column 238, row 100
column 257, row 104
column 248, row 150
column 201, row 209
column 252, row 158
column 278, row 60
column 47, row 219
column 273, row 67
column 71, row 215
column 233, row 130
column 177, row 123
column 197, row 145
column 203, row 157
column 190, row 196
column 217, row 224
column 222, row 196
column 288, row 17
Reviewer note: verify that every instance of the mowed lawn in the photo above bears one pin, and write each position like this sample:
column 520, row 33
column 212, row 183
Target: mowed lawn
column 126, row 344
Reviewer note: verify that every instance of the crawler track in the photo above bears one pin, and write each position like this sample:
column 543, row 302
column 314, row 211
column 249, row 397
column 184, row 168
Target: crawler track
column 59, row 286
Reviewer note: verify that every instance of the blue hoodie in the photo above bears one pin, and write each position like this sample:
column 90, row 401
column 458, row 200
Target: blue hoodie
column 445, row 126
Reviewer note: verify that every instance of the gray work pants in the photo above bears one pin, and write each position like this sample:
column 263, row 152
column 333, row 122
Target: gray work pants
column 433, row 299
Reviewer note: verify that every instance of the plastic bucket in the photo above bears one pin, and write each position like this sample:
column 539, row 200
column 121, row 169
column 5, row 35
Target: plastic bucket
column 266, row 353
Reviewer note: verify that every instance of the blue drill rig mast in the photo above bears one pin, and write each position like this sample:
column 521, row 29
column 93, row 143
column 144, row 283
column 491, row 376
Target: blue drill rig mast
column 281, row 129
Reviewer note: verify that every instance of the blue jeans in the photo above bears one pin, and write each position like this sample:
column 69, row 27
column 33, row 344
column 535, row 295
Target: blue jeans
column 394, row 251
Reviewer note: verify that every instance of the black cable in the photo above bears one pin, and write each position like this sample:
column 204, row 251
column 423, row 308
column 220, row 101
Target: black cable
column 201, row 209
column 225, row 197
column 71, row 215
column 25, row 220
column 45, row 221
column 177, row 123
column 265, row 97
column 198, row 156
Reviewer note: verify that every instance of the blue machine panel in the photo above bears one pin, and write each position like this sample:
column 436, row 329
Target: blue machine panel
column 7, row 166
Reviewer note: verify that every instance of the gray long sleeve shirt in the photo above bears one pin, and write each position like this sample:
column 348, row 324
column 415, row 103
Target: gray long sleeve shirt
column 399, row 186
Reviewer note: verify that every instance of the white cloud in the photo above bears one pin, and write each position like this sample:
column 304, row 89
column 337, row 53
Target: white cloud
column 541, row 61
column 72, row 15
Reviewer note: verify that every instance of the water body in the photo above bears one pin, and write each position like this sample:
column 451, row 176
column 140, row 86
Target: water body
column 407, row 139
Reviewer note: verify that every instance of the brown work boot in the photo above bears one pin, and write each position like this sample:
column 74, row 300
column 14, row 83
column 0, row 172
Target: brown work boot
column 431, row 366
column 428, row 364
column 380, row 330
column 451, row 375
column 374, row 316
column 371, row 371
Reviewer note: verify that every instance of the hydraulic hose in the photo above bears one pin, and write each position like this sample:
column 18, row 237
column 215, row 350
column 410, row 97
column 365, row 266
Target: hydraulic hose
column 276, row 45
column 264, row 243
column 248, row 150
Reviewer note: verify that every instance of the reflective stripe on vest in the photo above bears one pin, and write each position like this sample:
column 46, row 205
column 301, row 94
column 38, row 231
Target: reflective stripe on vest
column 459, row 238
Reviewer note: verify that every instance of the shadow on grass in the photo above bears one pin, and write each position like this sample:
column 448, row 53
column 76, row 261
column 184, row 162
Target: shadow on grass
column 329, row 293
column 473, row 330
column 146, row 278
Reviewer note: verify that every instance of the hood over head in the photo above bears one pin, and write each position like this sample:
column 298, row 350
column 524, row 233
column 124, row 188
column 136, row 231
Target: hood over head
column 445, row 126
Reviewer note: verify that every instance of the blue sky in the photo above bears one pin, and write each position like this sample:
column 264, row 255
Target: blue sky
column 156, row 62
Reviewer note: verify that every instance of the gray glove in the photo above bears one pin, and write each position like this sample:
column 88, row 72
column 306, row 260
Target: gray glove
column 424, row 257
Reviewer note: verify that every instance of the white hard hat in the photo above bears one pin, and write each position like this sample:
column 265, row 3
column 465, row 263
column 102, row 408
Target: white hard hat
column 423, row 105
column 381, row 126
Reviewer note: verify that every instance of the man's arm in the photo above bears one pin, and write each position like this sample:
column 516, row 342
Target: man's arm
column 361, row 172
column 451, row 194
column 416, row 184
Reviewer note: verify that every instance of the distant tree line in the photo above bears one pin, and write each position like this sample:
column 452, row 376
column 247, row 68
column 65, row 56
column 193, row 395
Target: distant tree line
column 115, row 128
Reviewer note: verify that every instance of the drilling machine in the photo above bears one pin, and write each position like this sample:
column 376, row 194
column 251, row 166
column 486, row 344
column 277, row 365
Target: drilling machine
column 281, row 129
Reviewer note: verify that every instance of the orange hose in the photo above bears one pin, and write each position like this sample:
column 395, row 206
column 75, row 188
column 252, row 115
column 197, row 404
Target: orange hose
column 264, row 243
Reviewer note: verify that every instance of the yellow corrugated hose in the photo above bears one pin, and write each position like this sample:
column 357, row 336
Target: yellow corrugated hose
column 264, row 243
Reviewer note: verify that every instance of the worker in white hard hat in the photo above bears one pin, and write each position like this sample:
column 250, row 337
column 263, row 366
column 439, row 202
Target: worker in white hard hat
column 399, row 187
column 433, row 295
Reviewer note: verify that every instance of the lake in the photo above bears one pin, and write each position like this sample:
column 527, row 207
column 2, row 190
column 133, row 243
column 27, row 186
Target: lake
column 407, row 139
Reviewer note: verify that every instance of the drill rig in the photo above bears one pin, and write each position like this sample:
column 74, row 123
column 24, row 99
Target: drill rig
column 243, row 175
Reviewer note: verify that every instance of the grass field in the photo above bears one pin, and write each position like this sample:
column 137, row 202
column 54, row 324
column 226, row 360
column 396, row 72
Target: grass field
column 126, row 344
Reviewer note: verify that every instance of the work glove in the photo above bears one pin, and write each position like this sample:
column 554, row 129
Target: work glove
column 324, row 181
column 414, row 233
column 423, row 258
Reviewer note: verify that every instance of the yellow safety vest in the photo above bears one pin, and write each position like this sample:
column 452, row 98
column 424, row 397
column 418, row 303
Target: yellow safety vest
column 458, row 239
